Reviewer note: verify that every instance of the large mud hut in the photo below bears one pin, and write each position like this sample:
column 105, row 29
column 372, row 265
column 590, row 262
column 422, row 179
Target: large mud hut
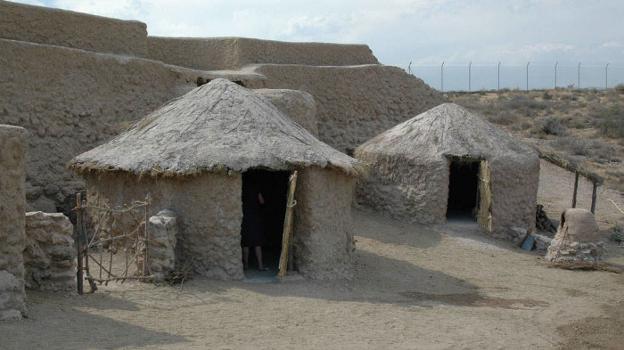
column 194, row 156
column 450, row 163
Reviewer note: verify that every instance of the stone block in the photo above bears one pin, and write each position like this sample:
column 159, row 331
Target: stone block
column 50, row 255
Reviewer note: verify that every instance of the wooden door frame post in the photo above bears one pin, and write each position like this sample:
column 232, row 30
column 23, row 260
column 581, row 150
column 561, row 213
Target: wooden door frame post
column 288, row 223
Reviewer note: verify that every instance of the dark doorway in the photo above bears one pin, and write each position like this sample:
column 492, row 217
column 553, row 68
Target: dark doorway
column 463, row 188
column 263, row 222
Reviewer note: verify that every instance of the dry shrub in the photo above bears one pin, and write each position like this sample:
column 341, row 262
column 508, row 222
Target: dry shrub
column 610, row 121
column 523, row 102
column 596, row 150
column 503, row 118
column 620, row 88
column 551, row 126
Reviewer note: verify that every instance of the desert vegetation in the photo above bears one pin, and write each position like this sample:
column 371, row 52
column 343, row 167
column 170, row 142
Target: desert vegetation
column 585, row 126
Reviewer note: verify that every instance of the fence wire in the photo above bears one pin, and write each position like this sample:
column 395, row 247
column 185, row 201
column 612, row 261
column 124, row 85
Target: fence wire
column 527, row 76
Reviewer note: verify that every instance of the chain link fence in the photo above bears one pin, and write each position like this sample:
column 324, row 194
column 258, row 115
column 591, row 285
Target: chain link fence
column 527, row 76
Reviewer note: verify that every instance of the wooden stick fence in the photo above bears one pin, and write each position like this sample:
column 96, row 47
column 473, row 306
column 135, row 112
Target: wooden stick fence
column 101, row 237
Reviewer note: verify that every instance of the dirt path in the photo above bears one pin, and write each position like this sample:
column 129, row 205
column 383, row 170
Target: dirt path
column 414, row 287
column 555, row 193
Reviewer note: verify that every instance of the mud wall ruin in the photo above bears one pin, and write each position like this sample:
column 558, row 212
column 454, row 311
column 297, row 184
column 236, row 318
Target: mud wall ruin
column 71, row 101
column 297, row 105
column 354, row 103
column 71, row 98
column 234, row 53
column 50, row 254
column 72, row 29
column 12, row 236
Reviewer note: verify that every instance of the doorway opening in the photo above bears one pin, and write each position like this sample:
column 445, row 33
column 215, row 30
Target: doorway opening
column 264, row 203
column 463, row 196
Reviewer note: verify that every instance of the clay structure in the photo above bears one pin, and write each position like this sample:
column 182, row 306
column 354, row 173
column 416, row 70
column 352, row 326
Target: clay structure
column 191, row 155
column 446, row 162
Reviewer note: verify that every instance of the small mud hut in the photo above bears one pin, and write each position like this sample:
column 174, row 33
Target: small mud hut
column 448, row 163
column 195, row 156
column 578, row 242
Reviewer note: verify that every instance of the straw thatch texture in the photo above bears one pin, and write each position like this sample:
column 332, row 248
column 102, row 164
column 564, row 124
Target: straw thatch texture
column 218, row 126
column 409, row 175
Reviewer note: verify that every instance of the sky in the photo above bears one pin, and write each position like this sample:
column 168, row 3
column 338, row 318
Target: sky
column 424, row 32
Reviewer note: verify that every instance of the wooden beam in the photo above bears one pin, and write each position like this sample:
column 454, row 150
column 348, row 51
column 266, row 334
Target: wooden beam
column 576, row 180
column 562, row 162
column 594, row 195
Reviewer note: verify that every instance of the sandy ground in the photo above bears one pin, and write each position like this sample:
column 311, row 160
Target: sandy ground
column 414, row 287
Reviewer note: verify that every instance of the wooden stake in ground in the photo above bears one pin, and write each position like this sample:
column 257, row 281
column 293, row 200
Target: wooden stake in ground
column 80, row 270
column 288, row 223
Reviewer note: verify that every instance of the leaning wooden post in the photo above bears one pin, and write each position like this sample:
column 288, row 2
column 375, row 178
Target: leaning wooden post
column 594, row 195
column 146, row 269
column 576, row 181
column 85, row 247
column 78, row 243
column 288, row 223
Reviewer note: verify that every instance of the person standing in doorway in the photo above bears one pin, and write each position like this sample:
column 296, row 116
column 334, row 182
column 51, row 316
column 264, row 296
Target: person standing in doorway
column 252, row 229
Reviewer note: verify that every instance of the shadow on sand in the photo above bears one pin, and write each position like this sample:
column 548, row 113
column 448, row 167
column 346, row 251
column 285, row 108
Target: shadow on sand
column 373, row 225
column 378, row 280
column 53, row 323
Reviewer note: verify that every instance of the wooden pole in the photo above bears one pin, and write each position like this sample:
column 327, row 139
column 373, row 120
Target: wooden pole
column 146, row 269
column 79, row 271
column 288, row 223
column 84, row 244
column 576, row 181
column 594, row 194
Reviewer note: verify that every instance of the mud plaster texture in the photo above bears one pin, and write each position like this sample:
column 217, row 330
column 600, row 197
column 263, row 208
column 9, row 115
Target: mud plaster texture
column 72, row 29
column 234, row 53
column 12, row 204
column 323, row 241
column 50, row 254
column 163, row 232
column 354, row 103
column 409, row 170
column 72, row 100
column 208, row 209
column 298, row 105
column 578, row 240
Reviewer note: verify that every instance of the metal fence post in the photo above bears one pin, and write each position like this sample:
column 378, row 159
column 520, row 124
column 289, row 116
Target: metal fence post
column 469, row 76
column 442, row 77
column 498, row 76
column 556, row 64
column 578, row 76
column 527, row 76
column 607, row 76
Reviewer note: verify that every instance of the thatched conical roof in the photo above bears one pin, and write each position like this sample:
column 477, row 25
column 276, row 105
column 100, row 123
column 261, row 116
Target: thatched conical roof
column 446, row 130
column 219, row 126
